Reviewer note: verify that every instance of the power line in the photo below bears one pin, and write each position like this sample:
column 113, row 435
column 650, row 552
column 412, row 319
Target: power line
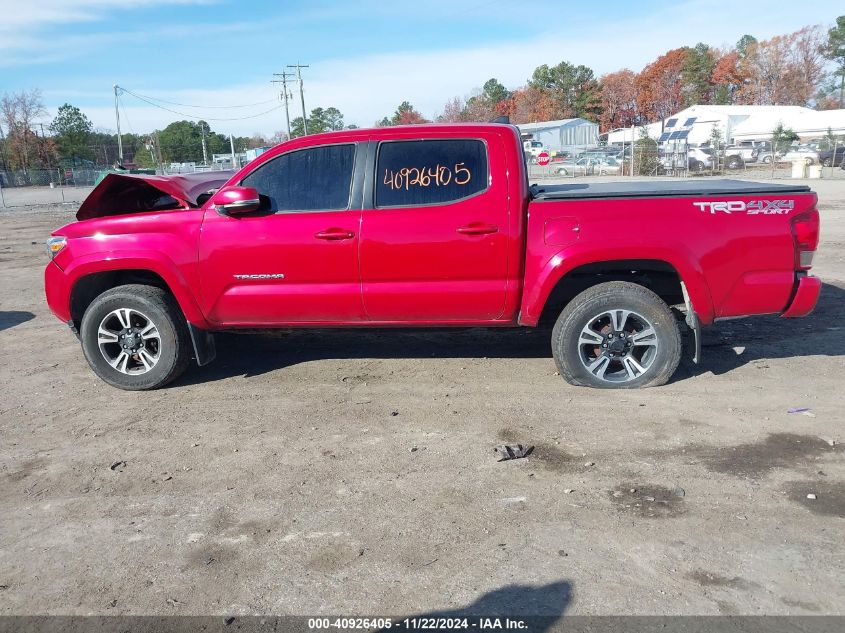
column 188, row 105
column 194, row 116
column 125, row 115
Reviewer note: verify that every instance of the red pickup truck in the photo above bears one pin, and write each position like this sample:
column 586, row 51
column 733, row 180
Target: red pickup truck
column 432, row 225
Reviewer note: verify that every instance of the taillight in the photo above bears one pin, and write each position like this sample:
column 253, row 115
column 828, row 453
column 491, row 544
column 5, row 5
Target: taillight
column 805, row 232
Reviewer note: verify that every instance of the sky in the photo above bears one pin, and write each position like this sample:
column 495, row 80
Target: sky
column 364, row 57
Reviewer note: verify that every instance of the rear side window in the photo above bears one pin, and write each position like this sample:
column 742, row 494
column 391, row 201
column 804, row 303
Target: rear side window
column 314, row 179
column 419, row 173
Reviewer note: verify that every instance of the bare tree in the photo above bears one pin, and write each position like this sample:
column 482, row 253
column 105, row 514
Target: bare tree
column 19, row 112
column 784, row 70
column 453, row 111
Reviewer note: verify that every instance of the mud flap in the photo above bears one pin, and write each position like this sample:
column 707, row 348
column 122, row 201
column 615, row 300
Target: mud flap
column 694, row 324
column 205, row 350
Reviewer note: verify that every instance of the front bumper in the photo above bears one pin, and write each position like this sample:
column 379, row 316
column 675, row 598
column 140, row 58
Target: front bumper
column 805, row 297
column 57, row 289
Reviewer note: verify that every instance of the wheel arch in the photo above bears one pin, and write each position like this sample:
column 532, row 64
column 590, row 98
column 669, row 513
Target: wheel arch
column 91, row 279
column 559, row 284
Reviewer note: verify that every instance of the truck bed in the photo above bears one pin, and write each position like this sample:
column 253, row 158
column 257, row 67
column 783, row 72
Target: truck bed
column 660, row 189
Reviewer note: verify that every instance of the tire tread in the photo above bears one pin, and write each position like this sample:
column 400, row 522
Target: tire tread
column 613, row 289
column 166, row 303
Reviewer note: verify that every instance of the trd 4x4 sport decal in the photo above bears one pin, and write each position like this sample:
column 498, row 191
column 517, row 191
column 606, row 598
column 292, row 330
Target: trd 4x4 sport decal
column 752, row 207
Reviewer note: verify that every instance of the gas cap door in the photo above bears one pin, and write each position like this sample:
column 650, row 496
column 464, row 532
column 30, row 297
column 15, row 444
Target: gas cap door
column 561, row 231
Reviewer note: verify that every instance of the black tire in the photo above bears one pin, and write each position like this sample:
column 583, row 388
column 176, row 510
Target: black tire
column 827, row 162
column 616, row 295
column 174, row 353
column 734, row 162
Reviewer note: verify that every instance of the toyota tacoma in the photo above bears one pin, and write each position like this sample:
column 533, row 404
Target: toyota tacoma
column 424, row 226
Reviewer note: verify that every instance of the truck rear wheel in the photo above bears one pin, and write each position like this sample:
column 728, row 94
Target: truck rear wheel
column 616, row 335
column 135, row 338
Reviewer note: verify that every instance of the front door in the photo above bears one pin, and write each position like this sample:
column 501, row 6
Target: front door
column 296, row 259
column 434, row 236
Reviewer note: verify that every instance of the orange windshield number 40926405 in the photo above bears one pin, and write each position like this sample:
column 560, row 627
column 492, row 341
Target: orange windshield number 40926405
column 437, row 176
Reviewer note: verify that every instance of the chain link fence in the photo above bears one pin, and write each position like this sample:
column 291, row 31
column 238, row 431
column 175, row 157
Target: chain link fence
column 45, row 186
column 58, row 186
column 63, row 186
column 654, row 163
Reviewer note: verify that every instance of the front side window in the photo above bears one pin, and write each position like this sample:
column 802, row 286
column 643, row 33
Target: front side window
column 314, row 179
column 419, row 173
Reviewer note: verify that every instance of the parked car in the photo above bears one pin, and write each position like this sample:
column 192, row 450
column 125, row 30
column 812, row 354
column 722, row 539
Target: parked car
column 827, row 158
column 608, row 166
column 698, row 159
column 809, row 156
column 423, row 226
column 585, row 166
column 736, row 156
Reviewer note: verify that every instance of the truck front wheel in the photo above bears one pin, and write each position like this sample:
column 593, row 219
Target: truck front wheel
column 135, row 338
column 617, row 335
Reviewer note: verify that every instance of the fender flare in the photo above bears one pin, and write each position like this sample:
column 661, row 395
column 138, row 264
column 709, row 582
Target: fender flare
column 574, row 256
column 153, row 261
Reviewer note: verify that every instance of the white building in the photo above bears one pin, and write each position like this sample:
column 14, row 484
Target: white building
column 739, row 123
column 562, row 134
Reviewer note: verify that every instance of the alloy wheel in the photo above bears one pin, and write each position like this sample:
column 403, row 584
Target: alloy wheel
column 129, row 341
column 617, row 346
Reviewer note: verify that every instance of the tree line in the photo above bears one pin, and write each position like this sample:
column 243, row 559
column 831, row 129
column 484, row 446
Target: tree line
column 783, row 70
column 70, row 139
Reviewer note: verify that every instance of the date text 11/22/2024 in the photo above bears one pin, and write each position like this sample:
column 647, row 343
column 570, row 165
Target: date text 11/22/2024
column 419, row 623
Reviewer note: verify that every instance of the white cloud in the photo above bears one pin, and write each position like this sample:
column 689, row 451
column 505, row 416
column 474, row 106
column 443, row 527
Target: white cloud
column 35, row 14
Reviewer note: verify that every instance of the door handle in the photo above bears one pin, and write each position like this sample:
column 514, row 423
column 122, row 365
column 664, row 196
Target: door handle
column 334, row 234
column 477, row 228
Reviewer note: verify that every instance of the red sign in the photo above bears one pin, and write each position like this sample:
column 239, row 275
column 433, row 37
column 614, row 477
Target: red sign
column 543, row 159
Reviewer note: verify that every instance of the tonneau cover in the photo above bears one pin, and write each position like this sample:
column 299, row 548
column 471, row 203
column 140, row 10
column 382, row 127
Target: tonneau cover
column 660, row 189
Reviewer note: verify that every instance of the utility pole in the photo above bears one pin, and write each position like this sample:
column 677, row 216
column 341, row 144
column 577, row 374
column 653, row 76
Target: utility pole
column 232, row 148
column 158, row 153
column 117, row 120
column 204, row 151
column 299, row 68
column 284, row 81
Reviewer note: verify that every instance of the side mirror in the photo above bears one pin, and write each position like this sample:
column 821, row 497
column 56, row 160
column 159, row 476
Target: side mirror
column 236, row 200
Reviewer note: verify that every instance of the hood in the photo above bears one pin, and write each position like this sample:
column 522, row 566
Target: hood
column 119, row 194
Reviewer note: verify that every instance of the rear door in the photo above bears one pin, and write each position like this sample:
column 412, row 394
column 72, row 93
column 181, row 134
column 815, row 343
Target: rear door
column 296, row 260
column 434, row 232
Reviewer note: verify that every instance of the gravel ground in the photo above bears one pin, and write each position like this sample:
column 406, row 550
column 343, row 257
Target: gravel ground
column 353, row 472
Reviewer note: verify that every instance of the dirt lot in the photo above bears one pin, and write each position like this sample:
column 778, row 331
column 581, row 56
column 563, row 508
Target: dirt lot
column 354, row 473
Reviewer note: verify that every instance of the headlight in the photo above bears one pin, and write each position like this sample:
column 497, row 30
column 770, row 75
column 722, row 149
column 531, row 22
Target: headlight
column 55, row 244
